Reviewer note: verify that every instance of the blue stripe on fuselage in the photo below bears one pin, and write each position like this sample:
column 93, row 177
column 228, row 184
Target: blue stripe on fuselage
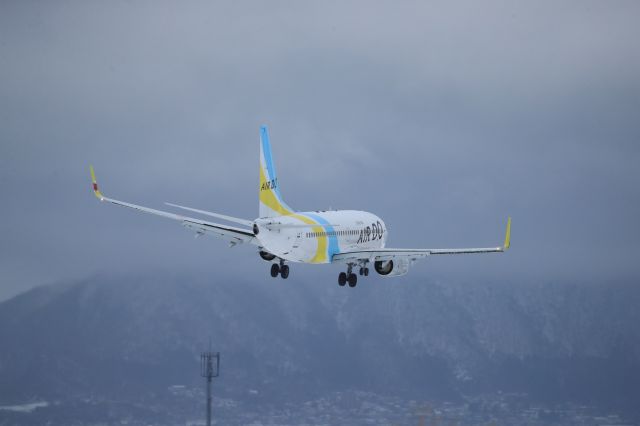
column 333, row 247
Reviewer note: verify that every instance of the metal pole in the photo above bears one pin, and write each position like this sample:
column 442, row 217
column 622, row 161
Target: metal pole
column 209, row 379
column 208, row 371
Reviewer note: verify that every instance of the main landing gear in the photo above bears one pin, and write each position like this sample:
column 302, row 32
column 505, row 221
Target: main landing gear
column 348, row 277
column 281, row 269
column 351, row 278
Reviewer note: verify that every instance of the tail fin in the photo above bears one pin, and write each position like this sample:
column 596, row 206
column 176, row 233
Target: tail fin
column 271, row 203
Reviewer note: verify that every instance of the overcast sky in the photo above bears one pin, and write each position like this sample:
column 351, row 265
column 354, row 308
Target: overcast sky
column 441, row 117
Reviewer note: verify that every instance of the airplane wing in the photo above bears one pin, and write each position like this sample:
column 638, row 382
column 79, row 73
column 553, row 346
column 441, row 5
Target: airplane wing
column 230, row 233
column 218, row 215
column 385, row 254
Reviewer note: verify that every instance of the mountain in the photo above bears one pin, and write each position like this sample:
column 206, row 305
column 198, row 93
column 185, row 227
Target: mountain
column 127, row 336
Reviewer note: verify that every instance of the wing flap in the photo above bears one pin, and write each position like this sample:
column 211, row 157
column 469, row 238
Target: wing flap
column 373, row 255
column 412, row 254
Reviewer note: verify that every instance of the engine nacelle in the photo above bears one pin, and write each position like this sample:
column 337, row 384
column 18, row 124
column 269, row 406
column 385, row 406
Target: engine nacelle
column 266, row 255
column 392, row 268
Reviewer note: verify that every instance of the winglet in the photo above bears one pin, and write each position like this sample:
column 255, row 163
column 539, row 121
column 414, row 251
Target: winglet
column 507, row 237
column 96, row 191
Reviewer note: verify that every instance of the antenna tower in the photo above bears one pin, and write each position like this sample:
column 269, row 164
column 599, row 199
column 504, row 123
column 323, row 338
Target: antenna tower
column 209, row 368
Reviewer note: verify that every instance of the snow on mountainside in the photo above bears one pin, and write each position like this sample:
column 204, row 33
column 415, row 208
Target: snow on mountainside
column 126, row 335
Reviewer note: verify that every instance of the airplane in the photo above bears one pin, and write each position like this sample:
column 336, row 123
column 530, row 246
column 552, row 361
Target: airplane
column 282, row 235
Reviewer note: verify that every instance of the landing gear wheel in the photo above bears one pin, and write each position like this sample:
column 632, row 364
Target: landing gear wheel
column 353, row 280
column 361, row 271
column 275, row 270
column 366, row 272
column 284, row 271
column 342, row 279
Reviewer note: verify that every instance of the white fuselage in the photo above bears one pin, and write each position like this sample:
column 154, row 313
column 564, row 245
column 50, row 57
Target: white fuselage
column 314, row 237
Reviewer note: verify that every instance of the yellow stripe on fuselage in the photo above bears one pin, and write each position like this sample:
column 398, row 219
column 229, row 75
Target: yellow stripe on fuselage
column 321, row 251
column 269, row 199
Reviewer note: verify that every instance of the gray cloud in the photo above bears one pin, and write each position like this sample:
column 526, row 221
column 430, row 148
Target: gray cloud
column 442, row 118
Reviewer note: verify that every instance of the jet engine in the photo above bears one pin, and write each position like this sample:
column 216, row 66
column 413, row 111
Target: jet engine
column 392, row 268
column 266, row 255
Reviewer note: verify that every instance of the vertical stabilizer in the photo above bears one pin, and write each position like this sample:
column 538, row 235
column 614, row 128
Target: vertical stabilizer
column 271, row 203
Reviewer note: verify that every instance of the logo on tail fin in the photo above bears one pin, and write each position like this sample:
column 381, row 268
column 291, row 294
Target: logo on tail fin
column 270, row 184
column 271, row 202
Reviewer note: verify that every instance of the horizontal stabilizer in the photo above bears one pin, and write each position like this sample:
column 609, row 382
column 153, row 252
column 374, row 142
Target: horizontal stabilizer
column 218, row 215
